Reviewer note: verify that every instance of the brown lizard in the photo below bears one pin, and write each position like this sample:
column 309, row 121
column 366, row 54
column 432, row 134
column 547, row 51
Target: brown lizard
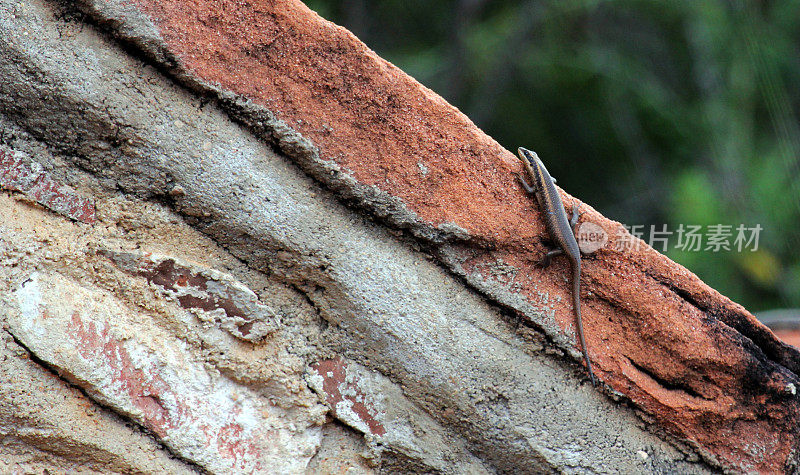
column 561, row 231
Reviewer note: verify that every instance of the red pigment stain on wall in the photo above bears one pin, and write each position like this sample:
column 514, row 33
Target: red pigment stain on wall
column 145, row 389
column 334, row 375
column 16, row 175
column 171, row 276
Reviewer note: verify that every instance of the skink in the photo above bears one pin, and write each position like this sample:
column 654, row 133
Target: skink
column 561, row 231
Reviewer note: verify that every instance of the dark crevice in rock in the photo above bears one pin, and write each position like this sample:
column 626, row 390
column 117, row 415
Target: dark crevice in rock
column 766, row 344
column 666, row 384
column 756, row 338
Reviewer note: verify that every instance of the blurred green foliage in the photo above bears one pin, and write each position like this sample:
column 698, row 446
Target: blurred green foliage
column 676, row 112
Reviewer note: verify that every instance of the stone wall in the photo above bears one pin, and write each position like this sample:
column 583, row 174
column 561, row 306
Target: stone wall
column 233, row 239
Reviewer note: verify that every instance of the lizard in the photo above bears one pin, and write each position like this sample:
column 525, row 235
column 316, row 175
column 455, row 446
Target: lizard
column 561, row 231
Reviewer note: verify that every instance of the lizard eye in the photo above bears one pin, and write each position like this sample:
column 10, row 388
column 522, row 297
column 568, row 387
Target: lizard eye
column 525, row 154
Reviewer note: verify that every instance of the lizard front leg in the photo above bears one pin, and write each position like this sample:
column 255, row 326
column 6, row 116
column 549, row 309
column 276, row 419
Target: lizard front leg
column 530, row 189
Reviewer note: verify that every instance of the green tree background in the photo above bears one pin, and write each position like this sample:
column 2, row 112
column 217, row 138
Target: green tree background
column 654, row 112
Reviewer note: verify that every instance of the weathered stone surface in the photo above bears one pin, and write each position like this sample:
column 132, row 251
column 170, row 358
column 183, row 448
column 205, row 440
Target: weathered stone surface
column 215, row 297
column 496, row 389
column 350, row 401
column 108, row 351
column 340, row 452
column 18, row 173
column 362, row 127
column 370, row 403
column 50, row 425
column 47, row 426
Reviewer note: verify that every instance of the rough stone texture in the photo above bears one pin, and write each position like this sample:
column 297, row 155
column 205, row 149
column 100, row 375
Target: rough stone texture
column 20, row 174
column 47, row 425
column 196, row 127
column 340, row 453
column 143, row 374
column 348, row 396
column 215, row 297
column 370, row 403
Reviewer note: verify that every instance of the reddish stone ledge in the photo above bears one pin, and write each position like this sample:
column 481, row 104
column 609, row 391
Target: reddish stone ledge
column 692, row 360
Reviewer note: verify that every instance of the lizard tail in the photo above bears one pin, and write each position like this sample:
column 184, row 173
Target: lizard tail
column 576, row 300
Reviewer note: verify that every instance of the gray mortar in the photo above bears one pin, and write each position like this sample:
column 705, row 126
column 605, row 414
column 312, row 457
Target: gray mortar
column 391, row 308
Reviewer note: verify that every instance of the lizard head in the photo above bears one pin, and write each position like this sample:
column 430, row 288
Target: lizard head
column 535, row 167
column 529, row 156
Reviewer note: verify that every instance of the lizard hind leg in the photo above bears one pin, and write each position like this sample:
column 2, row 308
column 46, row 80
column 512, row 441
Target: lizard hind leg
column 549, row 256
